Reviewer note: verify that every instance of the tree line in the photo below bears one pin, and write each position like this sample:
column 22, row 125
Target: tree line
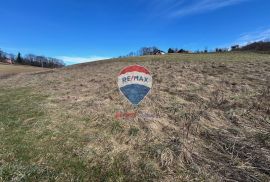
column 31, row 59
column 262, row 46
column 144, row 51
column 154, row 50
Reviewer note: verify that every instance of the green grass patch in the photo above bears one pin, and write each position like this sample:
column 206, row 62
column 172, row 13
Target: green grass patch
column 20, row 113
column 34, row 148
column 116, row 127
column 27, row 150
column 133, row 131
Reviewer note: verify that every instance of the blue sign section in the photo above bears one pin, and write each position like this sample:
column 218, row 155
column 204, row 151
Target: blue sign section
column 135, row 93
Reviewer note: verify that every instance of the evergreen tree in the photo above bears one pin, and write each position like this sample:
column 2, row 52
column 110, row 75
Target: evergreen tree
column 19, row 58
column 170, row 50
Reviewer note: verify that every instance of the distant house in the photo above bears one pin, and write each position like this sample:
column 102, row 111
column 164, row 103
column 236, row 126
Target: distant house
column 9, row 61
column 235, row 47
column 159, row 52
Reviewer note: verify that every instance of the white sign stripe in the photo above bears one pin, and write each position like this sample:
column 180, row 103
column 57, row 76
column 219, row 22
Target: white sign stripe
column 135, row 78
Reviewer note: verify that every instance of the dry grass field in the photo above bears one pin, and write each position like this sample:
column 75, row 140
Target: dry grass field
column 7, row 70
column 208, row 120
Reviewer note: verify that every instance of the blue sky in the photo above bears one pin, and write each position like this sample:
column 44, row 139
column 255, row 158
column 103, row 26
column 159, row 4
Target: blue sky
column 79, row 30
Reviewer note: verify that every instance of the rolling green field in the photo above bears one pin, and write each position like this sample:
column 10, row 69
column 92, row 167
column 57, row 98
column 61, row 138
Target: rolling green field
column 211, row 121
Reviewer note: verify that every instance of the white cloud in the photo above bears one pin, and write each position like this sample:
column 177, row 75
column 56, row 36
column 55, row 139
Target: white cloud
column 262, row 34
column 180, row 8
column 256, row 36
column 76, row 60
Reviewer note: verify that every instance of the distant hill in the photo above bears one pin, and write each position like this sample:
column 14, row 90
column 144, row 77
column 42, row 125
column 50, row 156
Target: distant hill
column 257, row 47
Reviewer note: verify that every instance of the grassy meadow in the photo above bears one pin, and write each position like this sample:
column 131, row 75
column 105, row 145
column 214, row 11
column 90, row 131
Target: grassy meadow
column 7, row 70
column 211, row 121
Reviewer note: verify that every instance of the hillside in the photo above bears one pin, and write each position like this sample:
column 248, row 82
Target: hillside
column 206, row 119
column 263, row 47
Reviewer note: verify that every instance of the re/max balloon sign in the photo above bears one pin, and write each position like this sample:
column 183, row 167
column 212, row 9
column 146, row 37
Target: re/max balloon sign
column 135, row 82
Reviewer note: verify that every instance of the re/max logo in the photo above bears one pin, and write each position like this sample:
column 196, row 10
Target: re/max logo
column 134, row 78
